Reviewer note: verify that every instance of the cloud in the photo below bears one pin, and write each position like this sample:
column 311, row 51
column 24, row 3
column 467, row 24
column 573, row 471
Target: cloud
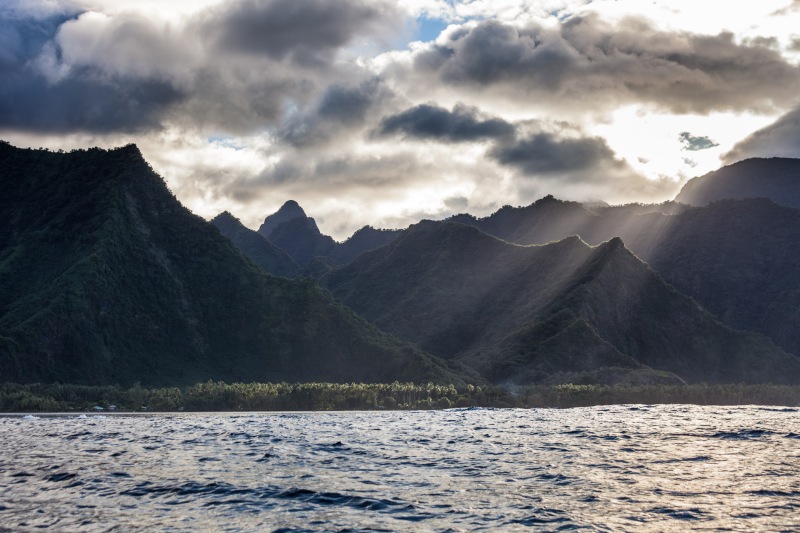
column 462, row 124
column 307, row 32
column 779, row 139
column 57, row 76
column 340, row 112
column 544, row 153
column 248, row 103
column 238, row 67
column 694, row 144
column 584, row 64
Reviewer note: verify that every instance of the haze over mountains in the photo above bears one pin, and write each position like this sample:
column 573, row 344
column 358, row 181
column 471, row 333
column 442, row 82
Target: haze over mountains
column 520, row 313
column 737, row 258
column 107, row 278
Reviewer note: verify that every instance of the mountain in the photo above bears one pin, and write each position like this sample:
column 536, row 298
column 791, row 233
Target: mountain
column 297, row 234
column 265, row 254
column 302, row 240
column 775, row 178
column 551, row 219
column 363, row 240
column 740, row 259
column 523, row 313
column 292, row 230
column 106, row 278
column 290, row 210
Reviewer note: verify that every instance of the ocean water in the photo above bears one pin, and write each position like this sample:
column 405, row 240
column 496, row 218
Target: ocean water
column 613, row 468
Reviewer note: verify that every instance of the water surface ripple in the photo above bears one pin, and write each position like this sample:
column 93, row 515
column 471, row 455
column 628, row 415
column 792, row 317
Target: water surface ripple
column 658, row 468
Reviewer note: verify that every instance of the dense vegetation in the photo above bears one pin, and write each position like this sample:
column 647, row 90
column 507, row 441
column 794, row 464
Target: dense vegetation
column 218, row 396
column 737, row 258
column 269, row 257
column 519, row 314
column 106, row 278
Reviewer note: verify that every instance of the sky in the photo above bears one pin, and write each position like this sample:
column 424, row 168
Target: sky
column 384, row 112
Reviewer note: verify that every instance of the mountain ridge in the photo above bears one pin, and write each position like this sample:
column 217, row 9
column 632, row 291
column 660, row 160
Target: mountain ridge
column 462, row 294
column 109, row 279
column 776, row 178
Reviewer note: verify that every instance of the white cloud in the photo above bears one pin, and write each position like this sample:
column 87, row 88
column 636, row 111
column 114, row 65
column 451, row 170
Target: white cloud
column 240, row 119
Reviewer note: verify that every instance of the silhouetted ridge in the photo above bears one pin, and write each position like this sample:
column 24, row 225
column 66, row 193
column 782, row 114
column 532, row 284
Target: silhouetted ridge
column 363, row 240
column 291, row 230
column 524, row 313
column 737, row 258
column 290, row 210
column 775, row 178
column 265, row 254
column 108, row 279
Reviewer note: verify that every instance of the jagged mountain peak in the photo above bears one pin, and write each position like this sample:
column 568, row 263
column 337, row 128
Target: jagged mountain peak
column 289, row 211
column 290, row 207
column 225, row 216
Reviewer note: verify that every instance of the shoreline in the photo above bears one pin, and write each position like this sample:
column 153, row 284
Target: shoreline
column 220, row 397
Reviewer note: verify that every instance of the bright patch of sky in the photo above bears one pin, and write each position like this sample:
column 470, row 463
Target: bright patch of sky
column 240, row 119
column 428, row 29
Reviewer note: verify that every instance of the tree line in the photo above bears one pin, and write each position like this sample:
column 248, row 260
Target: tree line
column 220, row 396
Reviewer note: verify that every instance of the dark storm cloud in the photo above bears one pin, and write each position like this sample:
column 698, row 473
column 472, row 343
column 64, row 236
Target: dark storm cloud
column 303, row 31
column 83, row 103
column 23, row 40
column 694, row 144
column 86, row 100
column 428, row 121
column 588, row 62
column 96, row 73
column 779, row 139
column 544, row 153
column 340, row 109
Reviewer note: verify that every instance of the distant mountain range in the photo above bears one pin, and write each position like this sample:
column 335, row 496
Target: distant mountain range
column 520, row 313
column 291, row 229
column 106, row 278
column 775, row 178
column 738, row 258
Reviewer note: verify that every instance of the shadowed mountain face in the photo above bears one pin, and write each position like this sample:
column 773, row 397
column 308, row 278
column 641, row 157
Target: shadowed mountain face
column 363, row 240
column 288, row 211
column 106, row 278
column 263, row 253
column 738, row 258
column 291, row 230
column 521, row 314
column 301, row 239
column 297, row 234
column 776, row 178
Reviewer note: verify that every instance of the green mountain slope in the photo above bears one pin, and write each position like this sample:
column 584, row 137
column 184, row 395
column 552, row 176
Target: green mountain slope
column 737, row 258
column 740, row 259
column 263, row 253
column 521, row 313
column 106, row 278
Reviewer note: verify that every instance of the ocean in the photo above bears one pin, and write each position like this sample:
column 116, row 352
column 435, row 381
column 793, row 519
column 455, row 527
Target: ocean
column 608, row 468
